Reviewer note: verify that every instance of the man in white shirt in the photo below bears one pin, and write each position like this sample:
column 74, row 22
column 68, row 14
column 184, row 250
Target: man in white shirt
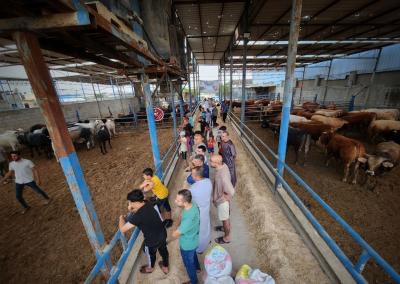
column 25, row 174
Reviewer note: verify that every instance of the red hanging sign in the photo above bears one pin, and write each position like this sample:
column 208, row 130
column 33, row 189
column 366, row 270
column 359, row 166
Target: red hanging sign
column 158, row 114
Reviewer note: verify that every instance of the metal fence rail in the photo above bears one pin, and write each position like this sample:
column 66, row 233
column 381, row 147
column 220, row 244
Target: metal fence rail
column 367, row 251
column 166, row 164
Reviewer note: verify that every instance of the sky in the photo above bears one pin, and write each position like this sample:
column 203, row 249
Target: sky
column 208, row 72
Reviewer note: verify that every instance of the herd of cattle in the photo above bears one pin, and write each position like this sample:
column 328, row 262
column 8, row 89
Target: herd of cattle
column 328, row 127
column 37, row 137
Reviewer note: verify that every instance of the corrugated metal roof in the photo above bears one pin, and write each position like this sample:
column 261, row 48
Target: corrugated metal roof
column 333, row 26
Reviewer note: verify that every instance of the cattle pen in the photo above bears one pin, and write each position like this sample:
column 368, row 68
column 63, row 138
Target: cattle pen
column 308, row 92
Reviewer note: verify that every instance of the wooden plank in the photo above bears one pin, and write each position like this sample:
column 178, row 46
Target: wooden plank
column 124, row 39
column 116, row 22
column 52, row 21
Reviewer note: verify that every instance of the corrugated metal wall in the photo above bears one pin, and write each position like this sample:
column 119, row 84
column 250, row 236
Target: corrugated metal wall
column 363, row 62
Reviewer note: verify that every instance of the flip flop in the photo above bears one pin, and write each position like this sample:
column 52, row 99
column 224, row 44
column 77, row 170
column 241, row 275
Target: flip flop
column 144, row 270
column 219, row 228
column 221, row 241
column 160, row 264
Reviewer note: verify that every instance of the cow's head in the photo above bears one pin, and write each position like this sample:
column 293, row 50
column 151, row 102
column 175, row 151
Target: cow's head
column 375, row 165
column 324, row 139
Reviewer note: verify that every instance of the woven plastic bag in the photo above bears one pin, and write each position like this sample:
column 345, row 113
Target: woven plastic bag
column 247, row 275
column 218, row 266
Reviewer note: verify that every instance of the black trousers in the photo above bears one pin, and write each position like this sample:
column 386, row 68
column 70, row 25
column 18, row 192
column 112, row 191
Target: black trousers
column 151, row 252
column 19, row 188
column 224, row 115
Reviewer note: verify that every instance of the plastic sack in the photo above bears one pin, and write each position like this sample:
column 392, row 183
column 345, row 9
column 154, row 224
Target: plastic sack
column 219, row 280
column 217, row 262
column 246, row 275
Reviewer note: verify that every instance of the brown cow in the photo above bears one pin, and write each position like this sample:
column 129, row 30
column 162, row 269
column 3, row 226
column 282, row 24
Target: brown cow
column 310, row 106
column 330, row 112
column 334, row 122
column 304, row 113
column 262, row 102
column 314, row 129
column 347, row 149
column 360, row 119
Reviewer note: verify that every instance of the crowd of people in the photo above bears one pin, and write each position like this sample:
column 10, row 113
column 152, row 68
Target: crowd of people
column 209, row 156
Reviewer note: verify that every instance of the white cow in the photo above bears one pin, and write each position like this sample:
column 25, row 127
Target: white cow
column 9, row 139
column 110, row 124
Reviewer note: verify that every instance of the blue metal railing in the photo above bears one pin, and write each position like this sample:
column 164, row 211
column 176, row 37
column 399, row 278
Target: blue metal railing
column 367, row 251
column 165, row 165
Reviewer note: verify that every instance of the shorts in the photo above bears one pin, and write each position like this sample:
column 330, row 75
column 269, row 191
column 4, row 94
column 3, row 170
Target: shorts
column 163, row 203
column 210, row 150
column 184, row 155
column 223, row 211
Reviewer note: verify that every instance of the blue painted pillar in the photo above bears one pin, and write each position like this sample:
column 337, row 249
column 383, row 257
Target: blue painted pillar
column 289, row 81
column 45, row 93
column 351, row 104
column 152, row 126
column 173, row 107
column 133, row 107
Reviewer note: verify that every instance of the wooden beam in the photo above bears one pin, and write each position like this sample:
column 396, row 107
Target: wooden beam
column 57, row 47
column 48, row 22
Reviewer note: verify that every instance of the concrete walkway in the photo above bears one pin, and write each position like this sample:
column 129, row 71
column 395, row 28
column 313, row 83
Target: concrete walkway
column 262, row 237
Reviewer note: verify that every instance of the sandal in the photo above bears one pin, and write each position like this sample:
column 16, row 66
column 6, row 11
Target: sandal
column 144, row 270
column 163, row 268
column 221, row 241
column 219, row 228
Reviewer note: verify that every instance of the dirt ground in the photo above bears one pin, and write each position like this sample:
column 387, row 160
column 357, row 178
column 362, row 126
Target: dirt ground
column 375, row 215
column 48, row 244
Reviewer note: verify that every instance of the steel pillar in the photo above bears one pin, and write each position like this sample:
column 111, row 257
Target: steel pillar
column 301, row 87
column 45, row 93
column 171, row 89
column 120, row 96
column 190, row 89
column 112, row 87
column 224, row 83
column 97, row 101
column 289, row 81
column 327, row 80
column 198, row 81
column 152, row 125
column 83, row 91
column 194, row 78
column 220, row 84
column 230, row 75
column 371, row 82
column 181, row 103
column 243, row 105
column 133, row 105
column 98, row 88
